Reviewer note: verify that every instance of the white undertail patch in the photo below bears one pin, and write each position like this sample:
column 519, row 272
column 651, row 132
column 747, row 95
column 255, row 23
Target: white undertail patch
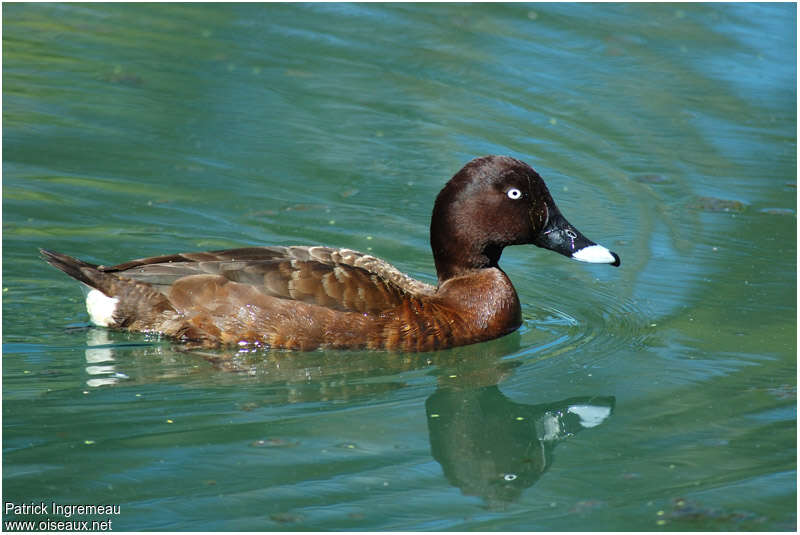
column 101, row 308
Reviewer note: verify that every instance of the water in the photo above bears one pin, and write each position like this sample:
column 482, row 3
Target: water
column 660, row 395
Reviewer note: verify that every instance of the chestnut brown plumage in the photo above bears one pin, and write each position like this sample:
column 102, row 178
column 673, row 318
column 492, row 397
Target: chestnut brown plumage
column 308, row 297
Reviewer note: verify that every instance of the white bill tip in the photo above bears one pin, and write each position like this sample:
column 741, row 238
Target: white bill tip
column 596, row 254
column 590, row 415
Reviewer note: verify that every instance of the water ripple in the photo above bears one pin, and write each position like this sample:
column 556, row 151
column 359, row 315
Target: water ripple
column 550, row 330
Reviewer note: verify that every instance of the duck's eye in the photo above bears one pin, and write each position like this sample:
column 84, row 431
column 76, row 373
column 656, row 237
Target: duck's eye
column 514, row 194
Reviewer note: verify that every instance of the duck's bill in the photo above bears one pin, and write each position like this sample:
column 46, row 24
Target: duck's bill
column 561, row 237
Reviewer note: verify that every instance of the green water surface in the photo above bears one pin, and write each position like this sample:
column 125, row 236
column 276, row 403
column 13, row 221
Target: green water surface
column 660, row 395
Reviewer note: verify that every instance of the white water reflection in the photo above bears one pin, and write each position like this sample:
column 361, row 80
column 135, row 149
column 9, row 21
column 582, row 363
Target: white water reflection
column 100, row 358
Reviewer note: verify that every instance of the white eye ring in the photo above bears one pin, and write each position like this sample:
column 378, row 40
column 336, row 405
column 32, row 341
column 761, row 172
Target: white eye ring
column 514, row 194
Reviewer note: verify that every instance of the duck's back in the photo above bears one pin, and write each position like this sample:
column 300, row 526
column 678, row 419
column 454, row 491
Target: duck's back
column 339, row 279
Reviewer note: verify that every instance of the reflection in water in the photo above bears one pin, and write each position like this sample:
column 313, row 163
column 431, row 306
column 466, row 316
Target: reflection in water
column 100, row 359
column 492, row 447
column 486, row 444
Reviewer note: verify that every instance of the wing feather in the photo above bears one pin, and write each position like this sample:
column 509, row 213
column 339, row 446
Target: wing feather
column 340, row 279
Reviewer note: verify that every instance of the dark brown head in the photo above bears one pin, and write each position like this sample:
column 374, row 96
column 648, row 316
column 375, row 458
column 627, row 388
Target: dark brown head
column 497, row 201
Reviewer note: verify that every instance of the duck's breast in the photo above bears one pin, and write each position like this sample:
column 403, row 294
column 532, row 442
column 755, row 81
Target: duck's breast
column 479, row 306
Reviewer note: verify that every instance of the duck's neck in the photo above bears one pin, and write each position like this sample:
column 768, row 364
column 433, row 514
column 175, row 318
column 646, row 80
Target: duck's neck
column 454, row 257
column 457, row 247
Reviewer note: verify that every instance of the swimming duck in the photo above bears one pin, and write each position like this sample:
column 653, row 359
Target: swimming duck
column 309, row 297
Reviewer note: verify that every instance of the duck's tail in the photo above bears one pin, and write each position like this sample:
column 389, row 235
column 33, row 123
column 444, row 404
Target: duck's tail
column 77, row 269
column 114, row 301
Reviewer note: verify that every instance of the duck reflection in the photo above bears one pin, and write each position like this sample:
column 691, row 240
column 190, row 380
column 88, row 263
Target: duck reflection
column 494, row 448
column 112, row 358
column 100, row 360
column 487, row 445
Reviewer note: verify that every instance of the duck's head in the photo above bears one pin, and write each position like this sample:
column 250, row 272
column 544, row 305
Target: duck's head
column 497, row 201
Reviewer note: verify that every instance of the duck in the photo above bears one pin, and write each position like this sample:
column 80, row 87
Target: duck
column 317, row 297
